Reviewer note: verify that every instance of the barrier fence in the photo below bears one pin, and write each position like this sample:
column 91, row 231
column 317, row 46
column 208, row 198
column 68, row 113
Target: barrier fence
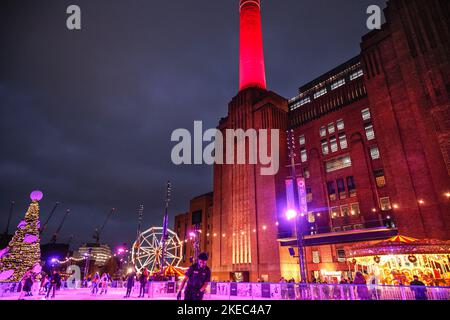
column 263, row 291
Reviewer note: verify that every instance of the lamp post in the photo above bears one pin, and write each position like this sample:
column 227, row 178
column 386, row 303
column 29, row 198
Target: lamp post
column 292, row 213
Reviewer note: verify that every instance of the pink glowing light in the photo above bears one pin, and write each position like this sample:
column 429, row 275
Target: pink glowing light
column 291, row 214
column 36, row 195
column 192, row 234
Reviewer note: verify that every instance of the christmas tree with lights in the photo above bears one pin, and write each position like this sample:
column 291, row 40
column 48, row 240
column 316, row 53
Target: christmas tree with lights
column 23, row 252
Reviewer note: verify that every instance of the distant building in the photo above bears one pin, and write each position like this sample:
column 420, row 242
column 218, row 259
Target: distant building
column 198, row 218
column 100, row 253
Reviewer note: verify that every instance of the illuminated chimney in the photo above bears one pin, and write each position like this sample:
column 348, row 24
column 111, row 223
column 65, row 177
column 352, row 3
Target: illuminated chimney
column 251, row 56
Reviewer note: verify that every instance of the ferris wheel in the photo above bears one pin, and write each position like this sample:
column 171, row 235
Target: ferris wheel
column 147, row 250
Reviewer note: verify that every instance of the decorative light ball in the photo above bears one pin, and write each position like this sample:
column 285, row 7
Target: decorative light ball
column 36, row 195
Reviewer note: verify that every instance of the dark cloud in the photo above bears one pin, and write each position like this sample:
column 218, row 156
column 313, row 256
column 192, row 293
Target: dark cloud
column 87, row 116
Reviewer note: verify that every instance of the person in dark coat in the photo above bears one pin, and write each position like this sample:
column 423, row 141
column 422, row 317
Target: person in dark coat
column 130, row 283
column 143, row 282
column 363, row 291
column 55, row 281
column 197, row 277
column 419, row 289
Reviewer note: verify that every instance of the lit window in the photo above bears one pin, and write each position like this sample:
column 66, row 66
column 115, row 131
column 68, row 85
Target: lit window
column 338, row 163
column 337, row 84
column 355, row 209
column 351, row 186
column 333, row 144
column 385, row 204
column 341, row 189
column 300, row 103
column 340, row 124
column 323, row 131
column 366, row 114
column 331, row 128
column 309, row 195
column 334, row 212
column 370, row 134
column 356, row 75
column 306, row 173
column 325, row 147
column 341, row 257
column 379, row 178
column 303, row 155
column 316, row 257
column 343, row 141
column 311, row 217
column 345, row 211
column 374, row 153
column 302, row 140
column 320, row 93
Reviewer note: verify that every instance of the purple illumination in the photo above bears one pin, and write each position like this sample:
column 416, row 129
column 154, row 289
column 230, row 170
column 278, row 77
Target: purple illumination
column 36, row 195
column 29, row 238
column 53, row 260
column 192, row 234
column 22, row 224
column 291, row 214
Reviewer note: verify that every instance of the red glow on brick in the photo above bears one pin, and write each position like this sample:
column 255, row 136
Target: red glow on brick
column 251, row 55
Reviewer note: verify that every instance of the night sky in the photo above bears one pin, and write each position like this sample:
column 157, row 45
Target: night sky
column 86, row 116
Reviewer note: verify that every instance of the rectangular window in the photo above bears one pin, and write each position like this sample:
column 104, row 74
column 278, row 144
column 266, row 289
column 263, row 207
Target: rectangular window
column 334, row 212
column 320, row 93
column 385, row 204
column 365, row 114
column 302, row 140
column 356, row 75
column 325, row 147
column 374, row 153
column 343, row 141
column 370, row 134
column 323, row 131
column 341, row 189
column 340, row 124
column 341, row 255
column 355, row 209
column 379, row 178
column 316, row 256
column 309, row 195
column 345, row 211
column 306, row 173
column 303, row 155
column 331, row 129
column 311, row 217
column 331, row 190
column 351, row 186
column 338, row 163
column 337, row 84
column 333, row 144
column 300, row 103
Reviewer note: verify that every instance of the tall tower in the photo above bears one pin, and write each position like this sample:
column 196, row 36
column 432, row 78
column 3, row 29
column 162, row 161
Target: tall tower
column 247, row 205
column 251, row 54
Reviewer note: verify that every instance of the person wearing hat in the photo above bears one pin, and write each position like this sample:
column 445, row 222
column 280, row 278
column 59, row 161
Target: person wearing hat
column 197, row 277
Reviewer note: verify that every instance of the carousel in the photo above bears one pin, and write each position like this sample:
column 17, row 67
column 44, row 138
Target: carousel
column 395, row 261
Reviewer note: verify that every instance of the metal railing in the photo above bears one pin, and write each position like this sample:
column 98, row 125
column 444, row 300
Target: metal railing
column 263, row 291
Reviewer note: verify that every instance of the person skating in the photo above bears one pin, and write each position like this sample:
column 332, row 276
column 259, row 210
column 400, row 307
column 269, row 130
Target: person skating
column 55, row 280
column 143, row 282
column 363, row 291
column 95, row 283
column 197, row 277
column 419, row 289
column 130, row 283
column 104, row 283
column 27, row 283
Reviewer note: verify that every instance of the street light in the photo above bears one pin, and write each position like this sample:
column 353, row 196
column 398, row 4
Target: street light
column 292, row 214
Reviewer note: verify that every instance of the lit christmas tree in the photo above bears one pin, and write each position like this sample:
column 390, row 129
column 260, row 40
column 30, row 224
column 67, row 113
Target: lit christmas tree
column 23, row 252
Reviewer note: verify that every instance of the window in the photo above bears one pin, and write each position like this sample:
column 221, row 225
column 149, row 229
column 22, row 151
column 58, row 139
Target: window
column 337, row 84
column 333, row 144
column 366, row 114
column 343, row 141
column 340, row 124
column 331, row 128
column 311, row 217
column 370, row 134
column 302, row 140
column 355, row 209
column 331, row 190
column 351, row 186
column 379, row 178
column 338, row 163
column 316, row 256
column 385, row 204
column 300, row 103
column 374, row 153
column 325, row 147
column 356, row 75
column 303, row 155
column 344, row 210
column 320, row 93
column 334, row 212
column 309, row 195
column 341, row 255
column 306, row 173
column 323, row 131
column 341, row 189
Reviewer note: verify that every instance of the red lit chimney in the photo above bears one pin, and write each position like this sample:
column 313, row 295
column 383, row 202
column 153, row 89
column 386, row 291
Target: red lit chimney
column 251, row 56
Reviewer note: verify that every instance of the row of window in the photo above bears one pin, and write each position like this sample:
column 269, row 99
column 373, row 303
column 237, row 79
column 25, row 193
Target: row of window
column 333, row 144
column 346, row 210
column 342, row 188
column 338, row 163
column 331, row 128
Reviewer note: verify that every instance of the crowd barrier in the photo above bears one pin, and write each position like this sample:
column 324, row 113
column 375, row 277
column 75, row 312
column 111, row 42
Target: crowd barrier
column 267, row 291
